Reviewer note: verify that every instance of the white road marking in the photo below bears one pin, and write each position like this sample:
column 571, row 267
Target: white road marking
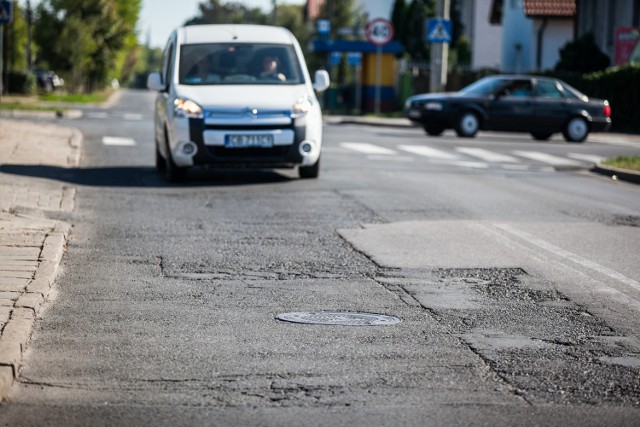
column 122, row 142
column 133, row 116
column 547, row 158
column 421, row 150
column 363, row 147
column 487, row 155
column 388, row 158
column 570, row 256
column 586, row 157
column 97, row 115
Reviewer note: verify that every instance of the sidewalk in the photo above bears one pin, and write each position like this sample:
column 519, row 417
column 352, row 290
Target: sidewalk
column 31, row 245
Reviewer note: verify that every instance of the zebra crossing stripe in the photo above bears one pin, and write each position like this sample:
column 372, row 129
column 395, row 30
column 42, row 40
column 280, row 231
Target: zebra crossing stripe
column 363, row 147
column 547, row 158
column 421, row 150
column 487, row 155
column 586, row 157
column 122, row 142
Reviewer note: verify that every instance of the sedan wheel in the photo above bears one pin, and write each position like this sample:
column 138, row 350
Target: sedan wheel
column 433, row 130
column 468, row 125
column 541, row 136
column 576, row 130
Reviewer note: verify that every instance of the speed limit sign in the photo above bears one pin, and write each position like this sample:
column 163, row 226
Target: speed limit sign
column 379, row 31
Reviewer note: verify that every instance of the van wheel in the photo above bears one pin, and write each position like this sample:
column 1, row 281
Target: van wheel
column 467, row 125
column 312, row 171
column 161, row 163
column 172, row 172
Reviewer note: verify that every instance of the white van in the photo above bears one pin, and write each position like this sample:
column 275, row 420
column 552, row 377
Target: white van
column 236, row 95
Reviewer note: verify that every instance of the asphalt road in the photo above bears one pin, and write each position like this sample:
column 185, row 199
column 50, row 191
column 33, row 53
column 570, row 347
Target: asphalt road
column 513, row 268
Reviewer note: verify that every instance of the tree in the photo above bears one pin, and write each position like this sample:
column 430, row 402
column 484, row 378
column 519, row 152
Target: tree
column 398, row 19
column 582, row 56
column 85, row 39
column 417, row 14
column 217, row 12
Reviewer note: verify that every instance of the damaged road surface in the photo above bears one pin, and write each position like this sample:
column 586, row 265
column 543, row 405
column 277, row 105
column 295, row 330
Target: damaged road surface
column 428, row 294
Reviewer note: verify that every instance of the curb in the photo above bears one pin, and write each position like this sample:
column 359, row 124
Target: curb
column 617, row 173
column 17, row 331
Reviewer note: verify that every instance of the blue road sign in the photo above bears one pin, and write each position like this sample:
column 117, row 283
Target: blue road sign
column 438, row 30
column 354, row 58
column 6, row 11
column 336, row 58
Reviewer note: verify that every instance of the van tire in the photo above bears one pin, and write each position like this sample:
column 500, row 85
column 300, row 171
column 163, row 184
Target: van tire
column 172, row 172
column 312, row 171
column 161, row 163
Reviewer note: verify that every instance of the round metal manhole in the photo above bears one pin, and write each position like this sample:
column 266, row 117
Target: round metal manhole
column 339, row 318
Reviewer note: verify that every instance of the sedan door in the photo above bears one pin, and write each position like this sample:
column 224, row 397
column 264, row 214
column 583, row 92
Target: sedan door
column 550, row 106
column 512, row 107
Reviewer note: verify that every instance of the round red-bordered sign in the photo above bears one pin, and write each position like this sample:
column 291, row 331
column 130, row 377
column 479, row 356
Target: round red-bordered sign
column 379, row 31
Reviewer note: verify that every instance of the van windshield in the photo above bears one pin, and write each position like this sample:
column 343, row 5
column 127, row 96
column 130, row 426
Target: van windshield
column 238, row 64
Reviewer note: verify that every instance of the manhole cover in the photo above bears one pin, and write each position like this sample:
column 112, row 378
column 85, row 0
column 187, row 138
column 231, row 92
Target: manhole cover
column 339, row 318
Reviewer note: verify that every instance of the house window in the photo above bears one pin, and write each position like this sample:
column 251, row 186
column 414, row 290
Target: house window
column 636, row 13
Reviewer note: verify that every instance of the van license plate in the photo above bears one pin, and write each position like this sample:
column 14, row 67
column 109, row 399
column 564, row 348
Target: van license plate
column 249, row 141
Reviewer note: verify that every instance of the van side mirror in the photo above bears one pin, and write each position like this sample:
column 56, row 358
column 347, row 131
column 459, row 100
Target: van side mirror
column 154, row 82
column 321, row 81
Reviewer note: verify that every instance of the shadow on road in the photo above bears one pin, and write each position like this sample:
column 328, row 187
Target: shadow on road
column 142, row 176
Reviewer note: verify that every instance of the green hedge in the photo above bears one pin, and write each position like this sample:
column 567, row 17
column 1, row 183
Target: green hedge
column 21, row 83
column 620, row 86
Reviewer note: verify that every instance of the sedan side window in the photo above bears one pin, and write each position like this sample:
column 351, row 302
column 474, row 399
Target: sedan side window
column 549, row 89
column 519, row 88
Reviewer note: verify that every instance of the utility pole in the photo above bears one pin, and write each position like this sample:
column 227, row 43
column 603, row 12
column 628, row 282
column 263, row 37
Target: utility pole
column 440, row 53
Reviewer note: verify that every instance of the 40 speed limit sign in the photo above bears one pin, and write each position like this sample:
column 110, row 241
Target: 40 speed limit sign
column 379, row 31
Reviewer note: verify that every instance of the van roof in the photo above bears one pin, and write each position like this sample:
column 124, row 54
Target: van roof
column 195, row 34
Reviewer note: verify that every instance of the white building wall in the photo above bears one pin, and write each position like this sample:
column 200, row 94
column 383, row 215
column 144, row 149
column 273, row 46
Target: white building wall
column 556, row 35
column 377, row 8
column 485, row 38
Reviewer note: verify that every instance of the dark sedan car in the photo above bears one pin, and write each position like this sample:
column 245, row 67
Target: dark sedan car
column 540, row 106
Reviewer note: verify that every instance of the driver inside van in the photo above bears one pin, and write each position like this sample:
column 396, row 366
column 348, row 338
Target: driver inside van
column 270, row 69
column 200, row 73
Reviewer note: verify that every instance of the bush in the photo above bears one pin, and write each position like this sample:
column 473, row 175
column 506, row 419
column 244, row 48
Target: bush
column 582, row 55
column 21, row 82
column 621, row 86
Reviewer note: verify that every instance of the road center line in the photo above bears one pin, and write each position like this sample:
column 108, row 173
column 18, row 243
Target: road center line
column 570, row 256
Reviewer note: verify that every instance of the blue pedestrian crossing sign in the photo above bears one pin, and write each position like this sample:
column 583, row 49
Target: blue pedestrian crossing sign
column 5, row 12
column 438, row 30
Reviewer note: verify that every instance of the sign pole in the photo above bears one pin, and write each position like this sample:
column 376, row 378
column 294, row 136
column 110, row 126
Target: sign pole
column 378, row 78
column 379, row 32
column 440, row 54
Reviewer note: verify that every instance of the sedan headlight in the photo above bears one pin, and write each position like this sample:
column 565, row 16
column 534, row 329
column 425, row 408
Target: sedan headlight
column 187, row 109
column 434, row 106
column 301, row 107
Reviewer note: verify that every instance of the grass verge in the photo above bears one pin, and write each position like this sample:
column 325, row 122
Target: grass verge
column 15, row 105
column 624, row 162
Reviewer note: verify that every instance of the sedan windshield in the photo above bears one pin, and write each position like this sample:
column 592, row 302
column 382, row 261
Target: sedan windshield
column 238, row 64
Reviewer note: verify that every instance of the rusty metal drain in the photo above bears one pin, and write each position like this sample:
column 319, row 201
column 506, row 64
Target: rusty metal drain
column 339, row 318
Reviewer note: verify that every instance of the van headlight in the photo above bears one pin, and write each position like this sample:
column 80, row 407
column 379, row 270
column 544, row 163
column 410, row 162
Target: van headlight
column 186, row 108
column 301, row 107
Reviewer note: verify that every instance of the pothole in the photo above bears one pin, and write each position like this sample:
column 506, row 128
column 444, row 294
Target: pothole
column 339, row 318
